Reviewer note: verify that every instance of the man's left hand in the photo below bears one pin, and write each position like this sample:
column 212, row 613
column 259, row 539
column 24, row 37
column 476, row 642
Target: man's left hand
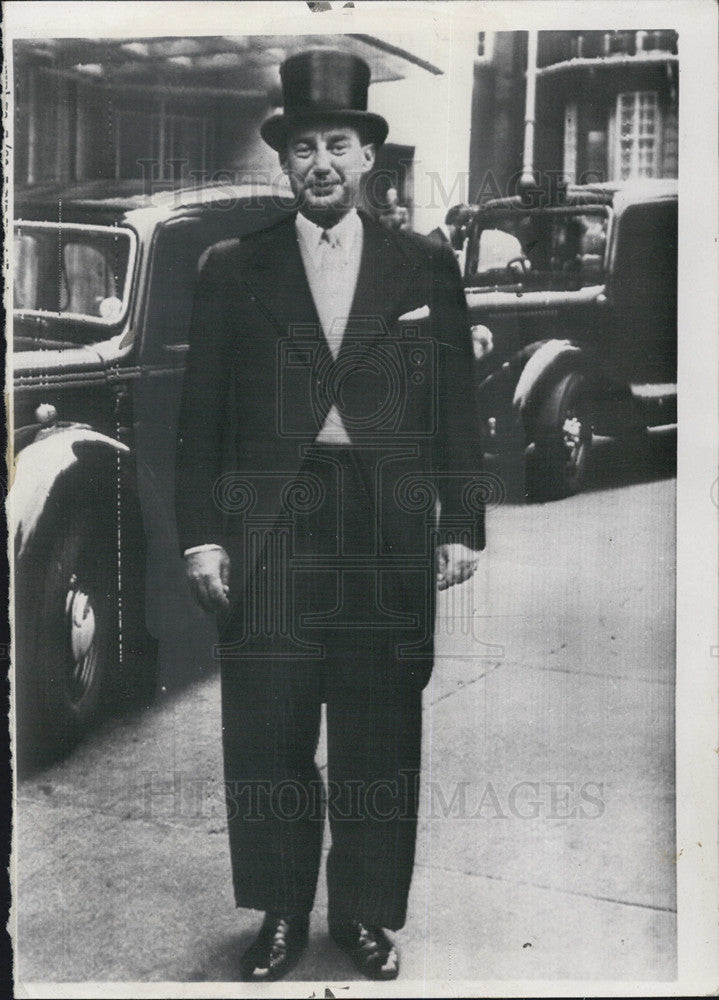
column 455, row 564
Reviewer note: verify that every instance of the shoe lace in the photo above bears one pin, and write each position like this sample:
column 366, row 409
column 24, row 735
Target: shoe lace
column 279, row 940
column 374, row 944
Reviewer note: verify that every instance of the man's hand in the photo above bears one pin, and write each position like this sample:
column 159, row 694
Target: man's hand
column 455, row 564
column 209, row 575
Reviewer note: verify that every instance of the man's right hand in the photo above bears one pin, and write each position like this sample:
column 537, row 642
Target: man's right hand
column 208, row 573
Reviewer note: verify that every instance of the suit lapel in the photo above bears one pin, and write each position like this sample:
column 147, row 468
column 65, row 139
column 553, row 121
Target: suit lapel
column 386, row 270
column 275, row 276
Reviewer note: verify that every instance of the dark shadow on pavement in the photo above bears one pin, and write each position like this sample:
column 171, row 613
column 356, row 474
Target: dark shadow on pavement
column 614, row 462
column 183, row 658
column 631, row 460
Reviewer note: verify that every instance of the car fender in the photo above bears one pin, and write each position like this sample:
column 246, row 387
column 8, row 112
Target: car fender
column 49, row 474
column 492, row 373
column 551, row 358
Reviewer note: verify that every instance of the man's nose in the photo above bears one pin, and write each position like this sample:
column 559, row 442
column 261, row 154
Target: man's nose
column 322, row 160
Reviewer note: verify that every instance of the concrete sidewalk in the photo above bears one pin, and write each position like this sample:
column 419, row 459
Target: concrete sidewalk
column 546, row 839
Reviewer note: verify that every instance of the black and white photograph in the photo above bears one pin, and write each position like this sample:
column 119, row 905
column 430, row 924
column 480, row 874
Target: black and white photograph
column 362, row 498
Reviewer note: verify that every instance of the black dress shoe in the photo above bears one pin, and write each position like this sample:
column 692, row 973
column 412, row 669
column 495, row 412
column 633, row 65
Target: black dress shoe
column 276, row 949
column 371, row 950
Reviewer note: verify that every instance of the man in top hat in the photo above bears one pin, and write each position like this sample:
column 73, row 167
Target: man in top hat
column 327, row 487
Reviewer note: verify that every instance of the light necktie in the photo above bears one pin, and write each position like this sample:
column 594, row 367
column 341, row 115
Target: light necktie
column 332, row 279
column 332, row 262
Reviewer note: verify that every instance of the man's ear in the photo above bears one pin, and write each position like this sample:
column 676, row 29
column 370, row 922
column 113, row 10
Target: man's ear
column 368, row 156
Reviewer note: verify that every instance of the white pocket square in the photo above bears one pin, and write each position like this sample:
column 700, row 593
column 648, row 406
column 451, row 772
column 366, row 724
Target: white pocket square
column 420, row 313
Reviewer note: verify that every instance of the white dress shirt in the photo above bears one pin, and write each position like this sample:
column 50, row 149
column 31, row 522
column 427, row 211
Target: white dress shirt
column 331, row 260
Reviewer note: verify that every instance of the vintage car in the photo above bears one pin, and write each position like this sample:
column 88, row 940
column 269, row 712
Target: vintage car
column 103, row 290
column 573, row 301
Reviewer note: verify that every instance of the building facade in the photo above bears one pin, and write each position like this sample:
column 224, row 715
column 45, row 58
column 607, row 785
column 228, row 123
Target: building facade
column 606, row 107
column 159, row 112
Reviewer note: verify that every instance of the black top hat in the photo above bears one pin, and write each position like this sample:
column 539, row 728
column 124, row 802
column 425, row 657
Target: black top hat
column 324, row 84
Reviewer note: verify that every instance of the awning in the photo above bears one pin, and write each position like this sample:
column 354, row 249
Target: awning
column 243, row 65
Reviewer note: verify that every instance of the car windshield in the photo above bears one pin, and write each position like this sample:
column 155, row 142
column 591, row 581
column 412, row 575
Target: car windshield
column 72, row 272
column 540, row 249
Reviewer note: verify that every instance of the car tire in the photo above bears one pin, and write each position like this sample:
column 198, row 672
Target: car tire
column 70, row 666
column 558, row 458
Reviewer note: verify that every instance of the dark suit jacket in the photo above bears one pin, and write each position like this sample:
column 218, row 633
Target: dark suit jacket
column 438, row 235
column 260, row 380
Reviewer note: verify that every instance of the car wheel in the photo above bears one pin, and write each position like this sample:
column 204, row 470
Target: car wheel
column 558, row 460
column 68, row 639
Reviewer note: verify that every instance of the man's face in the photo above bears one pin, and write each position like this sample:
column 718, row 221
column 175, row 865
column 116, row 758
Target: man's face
column 324, row 163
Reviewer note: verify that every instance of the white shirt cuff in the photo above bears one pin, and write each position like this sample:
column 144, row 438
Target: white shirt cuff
column 202, row 548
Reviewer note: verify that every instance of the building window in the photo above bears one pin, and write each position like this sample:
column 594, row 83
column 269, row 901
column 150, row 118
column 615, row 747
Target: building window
column 637, row 134
column 136, row 143
column 485, row 46
column 570, row 143
column 159, row 145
